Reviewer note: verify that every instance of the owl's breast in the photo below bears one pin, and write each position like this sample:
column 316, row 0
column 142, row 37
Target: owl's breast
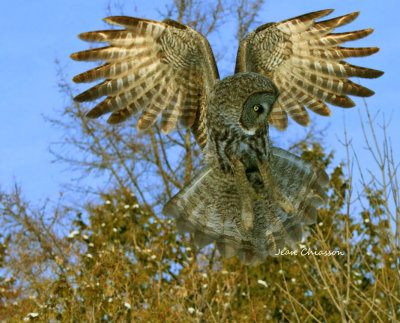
column 229, row 147
column 252, row 151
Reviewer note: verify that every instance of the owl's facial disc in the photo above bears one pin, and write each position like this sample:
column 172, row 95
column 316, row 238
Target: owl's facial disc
column 255, row 111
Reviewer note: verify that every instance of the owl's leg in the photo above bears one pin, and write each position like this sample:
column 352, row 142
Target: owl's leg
column 246, row 191
column 269, row 181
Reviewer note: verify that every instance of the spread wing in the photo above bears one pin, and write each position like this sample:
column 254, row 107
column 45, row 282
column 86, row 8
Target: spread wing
column 209, row 206
column 305, row 61
column 158, row 68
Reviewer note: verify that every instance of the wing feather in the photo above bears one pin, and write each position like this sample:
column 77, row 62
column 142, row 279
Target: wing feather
column 278, row 116
column 337, row 38
column 159, row 68
column 170, row 116
column 293, row 108
column 138, row 60
column 303, row 58
column 285, row 99
column 301, row 84
column 338, row 86
column 108, row 53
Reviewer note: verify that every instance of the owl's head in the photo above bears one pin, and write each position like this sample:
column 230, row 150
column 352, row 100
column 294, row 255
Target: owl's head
column 241, row 102
column 255, row 111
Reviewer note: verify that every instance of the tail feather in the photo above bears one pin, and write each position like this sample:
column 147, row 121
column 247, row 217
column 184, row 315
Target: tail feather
column 209, row 206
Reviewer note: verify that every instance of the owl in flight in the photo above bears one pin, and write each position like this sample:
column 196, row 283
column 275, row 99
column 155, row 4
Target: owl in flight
column 250, row 198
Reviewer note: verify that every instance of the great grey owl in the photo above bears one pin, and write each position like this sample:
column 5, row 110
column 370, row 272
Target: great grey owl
column 250, row 198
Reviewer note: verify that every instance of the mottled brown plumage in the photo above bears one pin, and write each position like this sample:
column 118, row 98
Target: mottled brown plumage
column 250, row 198
column 209, row 206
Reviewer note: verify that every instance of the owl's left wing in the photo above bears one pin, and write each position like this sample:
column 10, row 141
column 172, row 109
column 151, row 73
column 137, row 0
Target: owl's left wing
column 305, row 61
column 159, row 68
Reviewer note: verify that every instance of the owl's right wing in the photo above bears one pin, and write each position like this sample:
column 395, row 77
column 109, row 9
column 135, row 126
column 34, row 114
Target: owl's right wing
column 305, row 61
column 159, row 68
column 209, row 207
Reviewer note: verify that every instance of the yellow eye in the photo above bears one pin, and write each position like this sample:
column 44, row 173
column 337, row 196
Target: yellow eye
column 256, row 108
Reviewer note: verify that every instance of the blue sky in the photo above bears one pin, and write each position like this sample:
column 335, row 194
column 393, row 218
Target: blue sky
column 35, row 33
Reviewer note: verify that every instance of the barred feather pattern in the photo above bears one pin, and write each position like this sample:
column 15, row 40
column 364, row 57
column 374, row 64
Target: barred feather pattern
column 156, row 68
column 209, row 208
column 304, row 59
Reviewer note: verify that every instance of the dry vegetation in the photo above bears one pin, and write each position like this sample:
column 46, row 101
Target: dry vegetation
column 116, row 259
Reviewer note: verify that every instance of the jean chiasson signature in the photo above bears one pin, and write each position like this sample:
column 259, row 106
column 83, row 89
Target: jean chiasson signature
column 309, row 252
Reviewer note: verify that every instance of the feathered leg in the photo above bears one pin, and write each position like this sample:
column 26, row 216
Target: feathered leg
column 246, row 191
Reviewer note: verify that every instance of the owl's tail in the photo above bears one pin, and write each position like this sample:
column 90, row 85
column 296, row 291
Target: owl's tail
column 209, row 206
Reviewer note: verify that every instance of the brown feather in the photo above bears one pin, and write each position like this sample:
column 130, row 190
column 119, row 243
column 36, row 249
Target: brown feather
column 290, row 104
column 199, row 128
column 338, row 38
column 354, row 70
column 170, row 115
column 336, row 69
column 323, row 28
column 192, row 101
column 337, row 53
column 299, row 96
column 338, row 86
column 124, row 113
column 278, row 117
column 118, row 69
column 113, row 53
column 122, row 38
column 140, row 92
column 303, row 85
column 114, row 87
column 152, row 111
column 309, row 16
column 158, row 104
column 133, row 23
column 338, row 21
column 316, row 106
column 107, row 105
